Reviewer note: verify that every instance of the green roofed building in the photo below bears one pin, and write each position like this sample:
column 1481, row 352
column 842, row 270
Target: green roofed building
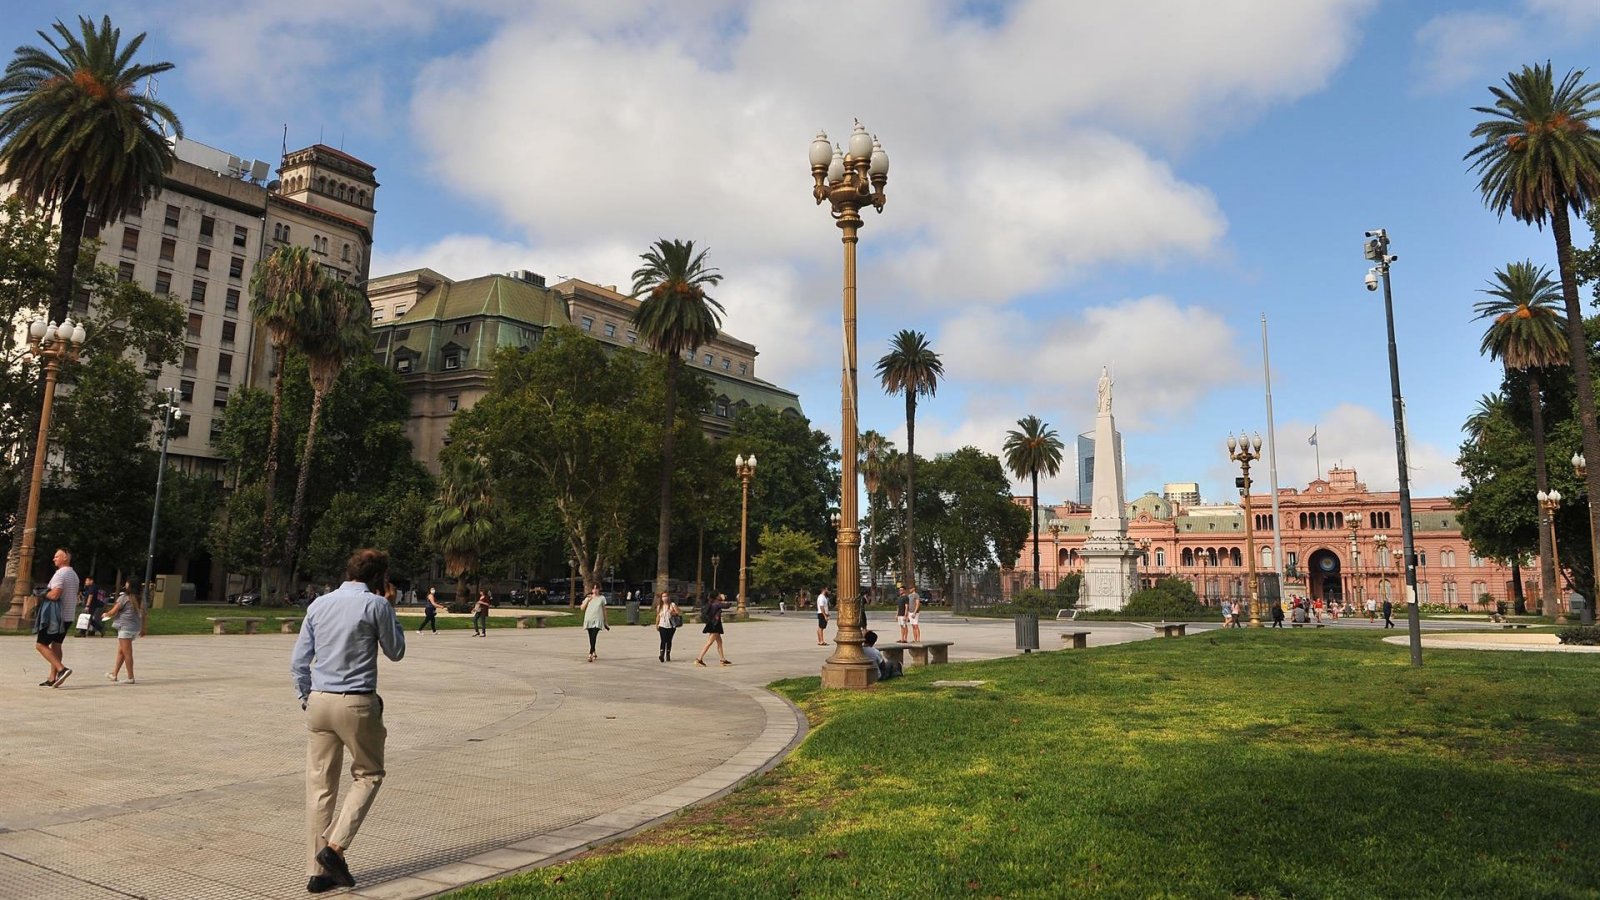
column 441, row 336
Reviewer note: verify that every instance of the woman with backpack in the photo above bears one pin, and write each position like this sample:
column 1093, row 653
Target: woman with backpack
column 669, row 618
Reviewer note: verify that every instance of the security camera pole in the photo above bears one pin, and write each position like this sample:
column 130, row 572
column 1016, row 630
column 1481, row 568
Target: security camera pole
column 169, row 413
column 1377, row 250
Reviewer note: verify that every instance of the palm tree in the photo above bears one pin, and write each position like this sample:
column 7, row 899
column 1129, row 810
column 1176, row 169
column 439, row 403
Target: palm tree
column 873, row 446
column 1033, row 448
column 333, row 333
column 77, row 134
column 1527, row 332
column 1539, row 158
column 912, row 368
column 1490, row 407
column 461, row 524
column 675, row 317
column 282, row 288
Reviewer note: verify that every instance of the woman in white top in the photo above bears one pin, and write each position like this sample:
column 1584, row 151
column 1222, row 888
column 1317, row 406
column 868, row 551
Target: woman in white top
column 594, row 617
column 668, row 618
column 127, row 617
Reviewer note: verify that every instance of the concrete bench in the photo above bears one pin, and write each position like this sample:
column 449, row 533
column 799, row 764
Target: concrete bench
column 219, row 625
column 536, row 617
column 1513, row 624
column 1171, row 629
column 1075, row 640
column 1308, row 624
column 290, row 625
column 923, row 653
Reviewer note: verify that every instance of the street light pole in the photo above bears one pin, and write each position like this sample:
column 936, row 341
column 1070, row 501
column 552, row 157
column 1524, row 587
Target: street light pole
column 849, row 181
column 1376, row 249
column 1549, row 502
column 169, row 413
column 746, row 470
column 716, row 559
column 1353, row 522
column 1580, row 468
column 1245, row 451
column 55, row 345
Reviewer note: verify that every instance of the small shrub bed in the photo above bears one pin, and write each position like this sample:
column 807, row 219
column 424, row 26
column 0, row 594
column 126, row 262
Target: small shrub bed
column 1585, row 635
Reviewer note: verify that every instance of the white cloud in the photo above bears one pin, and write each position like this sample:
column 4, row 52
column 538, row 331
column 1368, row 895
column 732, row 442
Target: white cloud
column 1576, row 13
column 1361, row 438
column 1456, row 47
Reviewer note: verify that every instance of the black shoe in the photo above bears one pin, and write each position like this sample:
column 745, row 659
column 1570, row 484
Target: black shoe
column 65, row 674
column 662, row 656
column 320, row 883
column 338, row 872
column 48, row 682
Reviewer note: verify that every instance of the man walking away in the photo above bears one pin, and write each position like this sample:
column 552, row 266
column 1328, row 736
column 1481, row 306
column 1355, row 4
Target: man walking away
column 822, row 618
column 57, row 612
column 335, row 670
column 1388, row 613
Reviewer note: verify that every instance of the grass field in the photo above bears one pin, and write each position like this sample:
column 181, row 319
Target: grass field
column 1236, row 764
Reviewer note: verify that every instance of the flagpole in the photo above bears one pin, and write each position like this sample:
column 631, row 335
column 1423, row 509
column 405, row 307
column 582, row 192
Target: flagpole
column 1272, row 459
column 1318, row 448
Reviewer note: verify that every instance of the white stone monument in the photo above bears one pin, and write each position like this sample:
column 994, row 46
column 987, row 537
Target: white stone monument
column 1111, row 561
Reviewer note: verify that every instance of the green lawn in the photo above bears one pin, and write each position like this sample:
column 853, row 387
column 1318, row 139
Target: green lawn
column 1240, row 764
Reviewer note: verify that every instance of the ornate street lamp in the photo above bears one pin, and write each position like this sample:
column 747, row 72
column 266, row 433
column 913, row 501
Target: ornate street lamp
column 1381, row 541
column 716, row 560
column 1244, row 451
column 849, row 180
column 1352, row 521
column 1055, row 553
column 169, row 413
column 55, row 345
column 746, row 470
column 1144, row 560
column 1549, row 502
column 1581, row 469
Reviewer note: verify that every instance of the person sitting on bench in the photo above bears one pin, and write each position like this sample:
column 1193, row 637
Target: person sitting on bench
column 887, row 668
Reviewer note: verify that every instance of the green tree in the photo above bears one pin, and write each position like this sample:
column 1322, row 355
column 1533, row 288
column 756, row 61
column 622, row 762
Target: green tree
column 874, row 448
column 1030, row 448
column 675, row 317
column 461, row 523
column 790, row 561
column 797, row 480
column 1527, row 332
column 1538, row 157
column 911, row 367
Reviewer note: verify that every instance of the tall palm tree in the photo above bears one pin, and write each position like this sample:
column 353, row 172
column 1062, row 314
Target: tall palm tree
column 461, row 524
column 77, row 134
column 282, row 288
column 1490, row 407
column 1033, row 447
column 1539, row 158
column 912, row 368
column 1527, row 332
column 675, row 316
column 873, row 446
column 333, row 333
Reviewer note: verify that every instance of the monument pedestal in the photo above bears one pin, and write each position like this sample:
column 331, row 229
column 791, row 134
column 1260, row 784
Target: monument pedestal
column 1110, row 572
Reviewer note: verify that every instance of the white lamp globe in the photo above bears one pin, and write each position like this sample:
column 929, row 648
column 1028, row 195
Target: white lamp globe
column 860, row 142
column 836, row 168
column 880, row 160
column 821, row 150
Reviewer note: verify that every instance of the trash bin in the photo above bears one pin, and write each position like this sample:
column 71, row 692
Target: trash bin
column 1027, row 632
column 632, row 606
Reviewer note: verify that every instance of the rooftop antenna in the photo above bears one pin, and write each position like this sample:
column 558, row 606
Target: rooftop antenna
column 286, row 139
column 150, row 88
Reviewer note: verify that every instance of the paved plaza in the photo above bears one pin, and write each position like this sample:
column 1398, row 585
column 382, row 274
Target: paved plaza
column 504, row 752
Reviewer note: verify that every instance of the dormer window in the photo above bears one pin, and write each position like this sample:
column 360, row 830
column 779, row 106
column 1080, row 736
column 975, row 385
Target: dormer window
column 452, row 360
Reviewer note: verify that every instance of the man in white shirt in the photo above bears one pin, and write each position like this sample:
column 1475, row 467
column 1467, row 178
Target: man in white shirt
column 822, row 618
column 63, row 591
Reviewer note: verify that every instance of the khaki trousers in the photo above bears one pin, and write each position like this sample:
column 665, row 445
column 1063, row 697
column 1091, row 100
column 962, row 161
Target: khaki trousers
column 335, row 722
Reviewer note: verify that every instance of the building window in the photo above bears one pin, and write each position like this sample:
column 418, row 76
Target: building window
column 633, row 336
column 197, row 293
column 232, row 304
column 722, row 409
column 216, row 426
column 452, row 360
column 186, row 390
column 208, row 227
column 1422, row 592
column 1422, row 558
column 463, row 327
column 241, row 236
column 172, row 217
column 236, row 267
column 744, row 368
column 727, row 364
column 402, row 365
column 130, row 240
column 202, row 259
column 587, row 323
column 346, row 255
column 399, row 311
column 453, row 402
column 1475, row 561
column 1161, row 558
column 377, row 315
column 708, row 360
column 195, row 322
column 224, row 366
column 125, row 271
column 190, row 358
column 611, row 330
column 228, row 330
column 163, row 282
column 219, row 398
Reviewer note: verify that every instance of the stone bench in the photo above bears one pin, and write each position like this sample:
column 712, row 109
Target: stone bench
column 220, row 624
column 923, row 653
column 290, row 625
column 1171, row 629
column 1075, row 640
column 1308, row 624
column 536, row 617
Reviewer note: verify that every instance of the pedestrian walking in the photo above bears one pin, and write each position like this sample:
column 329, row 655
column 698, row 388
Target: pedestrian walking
column 1227, row 615
column 1372, row 608
column 127, row 617
column 94, row 603
column 822, row 618
column 594, row 617
column 1277, row 614
column 713, row 629
column 56, row 612
column 430, row 613
column 669, row 618
column 335, row 671
column 480, row 614
column 1388, row 613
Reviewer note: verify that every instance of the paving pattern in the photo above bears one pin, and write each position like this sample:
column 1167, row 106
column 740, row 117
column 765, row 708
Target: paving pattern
column 504, row 752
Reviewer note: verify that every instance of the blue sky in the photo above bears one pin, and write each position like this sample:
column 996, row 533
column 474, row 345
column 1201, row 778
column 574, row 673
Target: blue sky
column 1073, row 185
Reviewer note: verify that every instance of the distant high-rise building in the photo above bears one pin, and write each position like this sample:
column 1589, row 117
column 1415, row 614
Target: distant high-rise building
column 1086, row 457
column 1183, row 493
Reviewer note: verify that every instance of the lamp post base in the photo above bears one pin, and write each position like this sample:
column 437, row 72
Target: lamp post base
column 849, row 675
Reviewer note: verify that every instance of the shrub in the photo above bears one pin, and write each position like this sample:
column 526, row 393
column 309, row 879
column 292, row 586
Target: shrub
column 1034, row 600
column 1587, row 635
column 1157, row 603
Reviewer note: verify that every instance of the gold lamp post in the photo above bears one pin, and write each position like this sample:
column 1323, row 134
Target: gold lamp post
column 1381, row 541
column 746, row 470
column 716, row 559
column 849, row 180
column 1549, row 502
column 55, row 345
column 1144, row 562
column 1580, row 468
column 1244, row 451
column 1055, row 553
column 1352, row 521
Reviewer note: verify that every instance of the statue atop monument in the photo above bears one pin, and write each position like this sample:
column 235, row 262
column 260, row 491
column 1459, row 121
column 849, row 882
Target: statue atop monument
column 1105, row 390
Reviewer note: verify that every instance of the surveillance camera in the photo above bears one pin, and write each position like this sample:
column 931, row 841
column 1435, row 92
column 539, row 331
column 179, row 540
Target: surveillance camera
column 1372, row 280
column 1376, row 232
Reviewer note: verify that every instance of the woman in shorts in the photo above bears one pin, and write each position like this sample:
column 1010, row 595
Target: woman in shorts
column 127, row 617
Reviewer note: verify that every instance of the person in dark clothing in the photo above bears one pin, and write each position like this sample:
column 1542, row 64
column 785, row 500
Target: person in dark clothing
column 1277, row 614
column 1388, row 613
column 430, row 612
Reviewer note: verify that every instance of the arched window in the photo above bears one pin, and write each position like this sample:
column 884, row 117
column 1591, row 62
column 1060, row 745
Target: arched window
column 322, row 185
column 346, row 256
column 1447, row 558
column 1235, row 557
column 1187, row 557
column 1062, row 557
column 1072, row 558
column 1302, row 521
column 1211, row 556
column 361, row 199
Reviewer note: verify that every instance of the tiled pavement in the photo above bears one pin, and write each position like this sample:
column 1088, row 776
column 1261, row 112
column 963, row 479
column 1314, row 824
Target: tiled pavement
column 504, row 752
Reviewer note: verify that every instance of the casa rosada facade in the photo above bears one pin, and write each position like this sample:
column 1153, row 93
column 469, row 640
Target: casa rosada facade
column 1324, row 556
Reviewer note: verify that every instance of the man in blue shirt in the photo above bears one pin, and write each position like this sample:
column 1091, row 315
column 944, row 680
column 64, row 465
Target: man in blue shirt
column 335, row 669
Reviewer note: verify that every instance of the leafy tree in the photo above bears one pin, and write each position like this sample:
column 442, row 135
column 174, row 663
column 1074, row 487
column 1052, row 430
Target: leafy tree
column 1171, row 598
column 790, row 561
column 1068, row 589
column 1031, row 447
column 1527, row 332
column 797, row 480
column 675, row 317
column 911, row 368
column 874, row 448
column 1539, row 159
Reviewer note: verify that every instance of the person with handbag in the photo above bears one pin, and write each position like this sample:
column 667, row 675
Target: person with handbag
column 594, row 617
column 128, row 618
column 669, row 618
